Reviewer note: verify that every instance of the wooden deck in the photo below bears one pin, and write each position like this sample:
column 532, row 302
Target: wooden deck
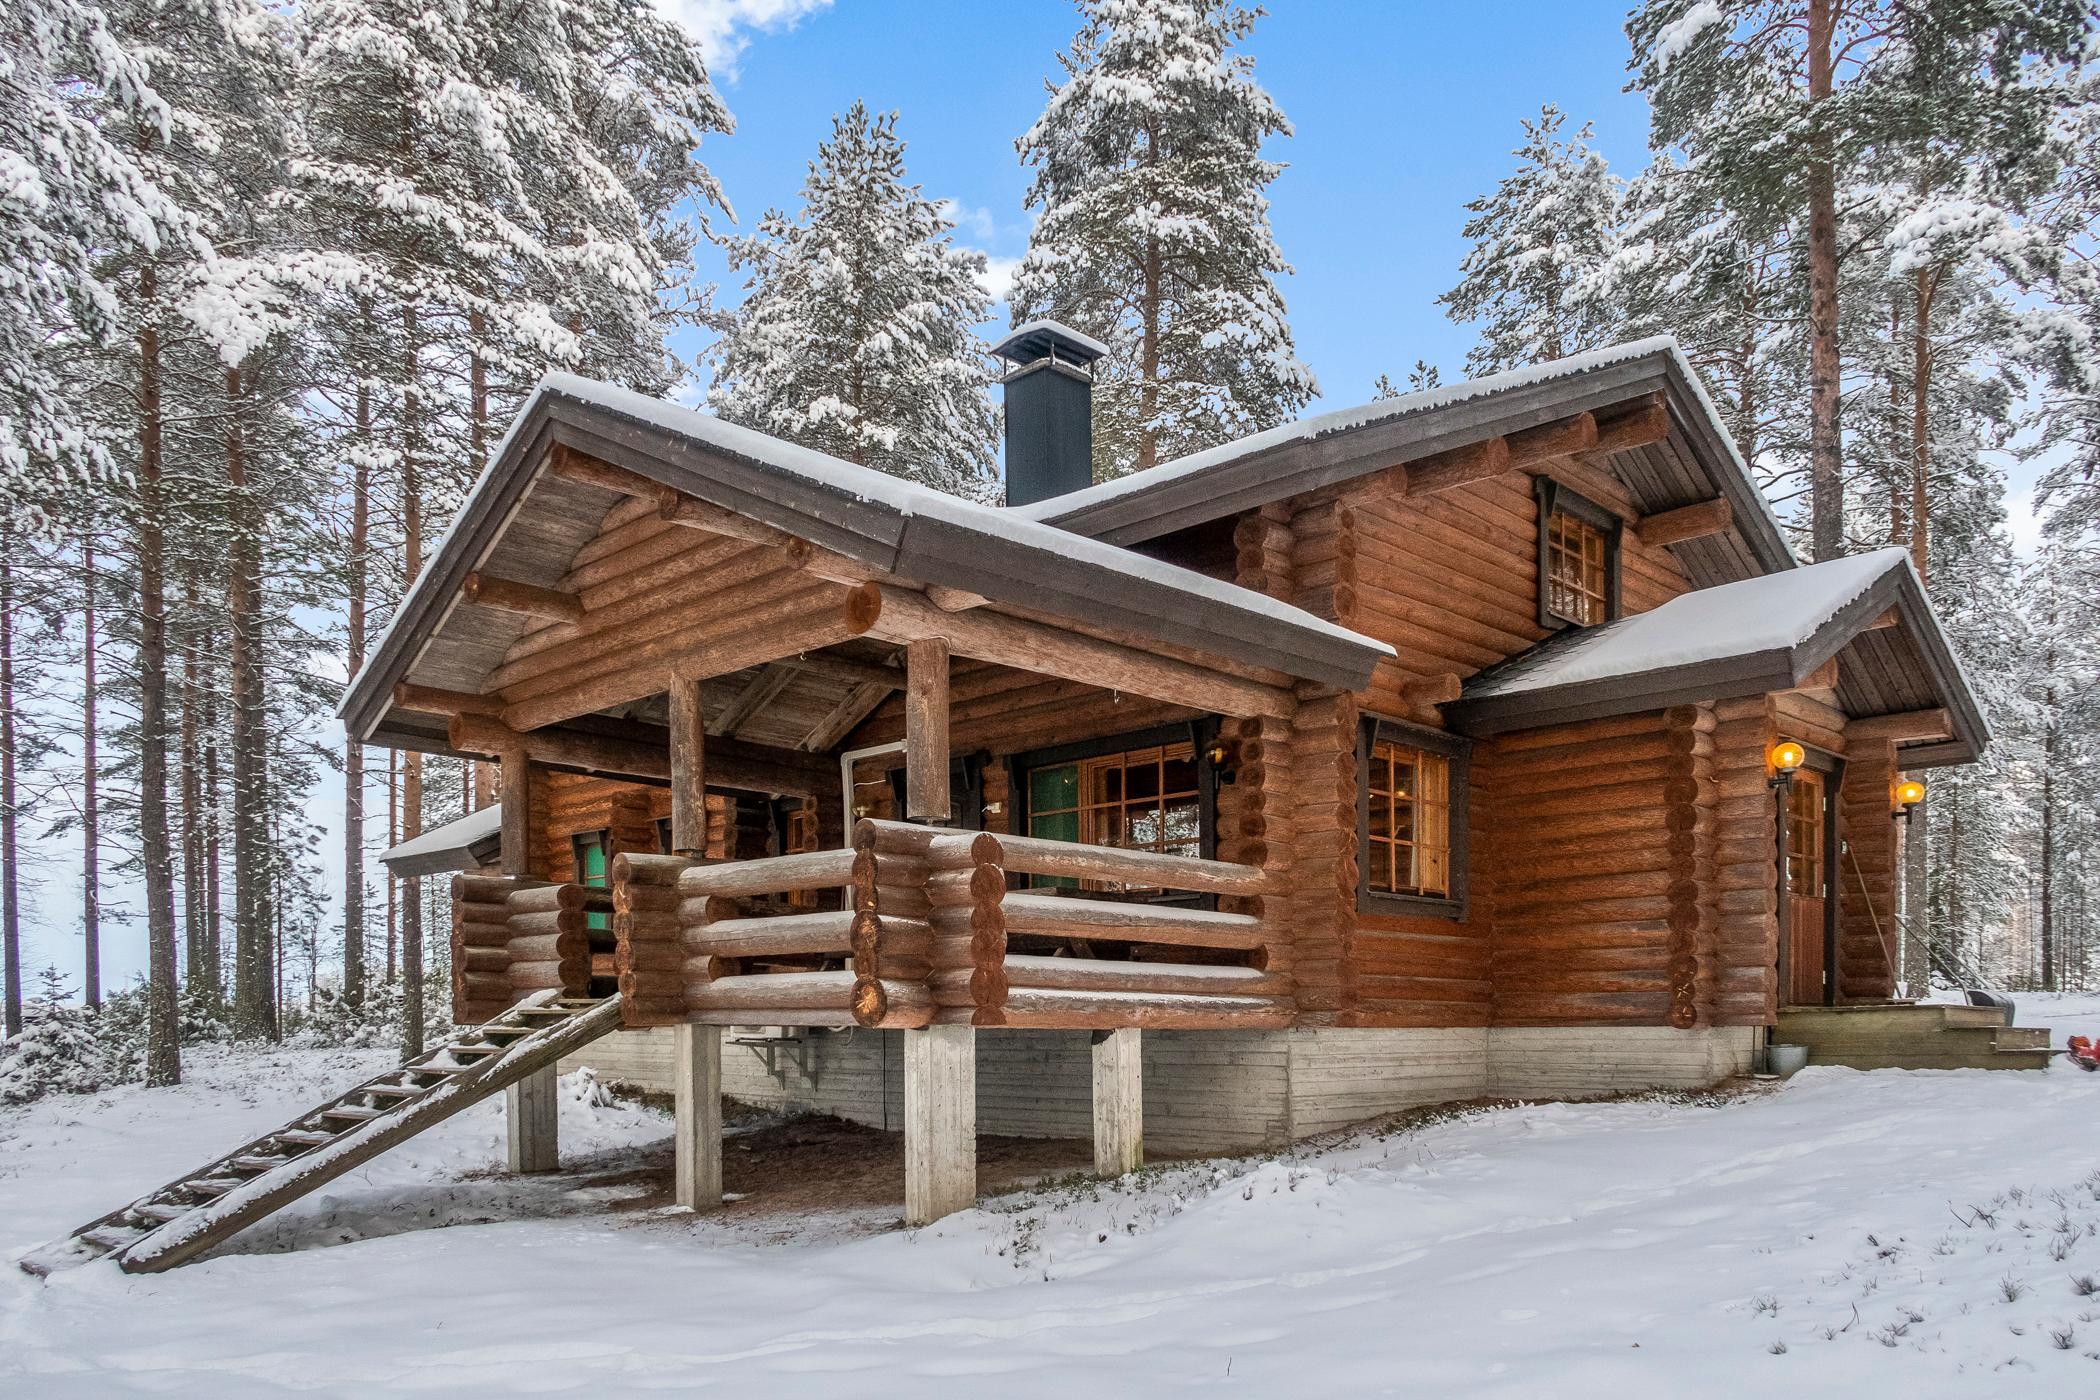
column 1905, row 1035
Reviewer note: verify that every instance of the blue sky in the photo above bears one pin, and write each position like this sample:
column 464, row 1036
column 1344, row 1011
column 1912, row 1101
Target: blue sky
column 1404, row 111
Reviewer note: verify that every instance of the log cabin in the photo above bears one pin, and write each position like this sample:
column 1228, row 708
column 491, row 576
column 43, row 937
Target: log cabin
column 1483, row 741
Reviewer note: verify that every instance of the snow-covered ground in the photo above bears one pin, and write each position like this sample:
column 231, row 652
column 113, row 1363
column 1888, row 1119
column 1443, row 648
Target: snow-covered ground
column 1861, row 1235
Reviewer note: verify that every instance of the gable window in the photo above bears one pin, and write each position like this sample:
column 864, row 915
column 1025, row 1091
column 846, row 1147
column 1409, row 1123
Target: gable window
column 1139, row 792
column 591, row 859
column 1411, row 821
column 1578, row 559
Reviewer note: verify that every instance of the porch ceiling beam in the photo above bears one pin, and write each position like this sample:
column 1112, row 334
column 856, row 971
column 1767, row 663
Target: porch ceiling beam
column 760, row 691
column 845, row 717
column 644, row 751
column 434, row 700
column 529, row 599
column 1005, row 640
column 771, row 631
column 1693, row 522
column 1911, row 727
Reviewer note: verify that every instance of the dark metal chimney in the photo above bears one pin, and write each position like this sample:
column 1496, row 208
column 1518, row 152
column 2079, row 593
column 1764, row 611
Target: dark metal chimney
column 1049, row 410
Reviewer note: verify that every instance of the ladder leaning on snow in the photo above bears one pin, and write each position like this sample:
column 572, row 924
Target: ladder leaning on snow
column 189, row 1215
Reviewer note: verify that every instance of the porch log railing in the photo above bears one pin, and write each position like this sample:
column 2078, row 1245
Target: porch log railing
column 512, row 937
column 924, row 936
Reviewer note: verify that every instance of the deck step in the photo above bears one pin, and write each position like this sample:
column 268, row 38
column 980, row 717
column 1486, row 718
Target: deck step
column 305, row 1137
column 1899, row 1035
column 161, row 1211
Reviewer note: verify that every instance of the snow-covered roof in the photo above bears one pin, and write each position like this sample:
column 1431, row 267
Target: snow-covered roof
column 1743, row 638
column 446, row 847
column 1233, row 475
column 1777, row 612
column 889, row 524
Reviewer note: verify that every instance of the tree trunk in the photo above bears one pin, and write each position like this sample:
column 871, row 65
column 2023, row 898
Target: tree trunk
column 90, row 781
column 10, row 907
column 213, row 923
column 411, row 763
column 1826, row 442
column 353, row 747
column 1926, row 286
column 2047, row 874
column 163, row 1025
column 189, row 781
column 254, row 980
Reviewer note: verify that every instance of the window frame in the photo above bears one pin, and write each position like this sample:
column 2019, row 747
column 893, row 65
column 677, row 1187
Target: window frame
column 1457, row 753
column 1200, row 734
column 1553, row 497
column 600, row 840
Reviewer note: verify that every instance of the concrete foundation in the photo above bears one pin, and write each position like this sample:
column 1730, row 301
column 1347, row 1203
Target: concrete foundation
column 1204, row 1091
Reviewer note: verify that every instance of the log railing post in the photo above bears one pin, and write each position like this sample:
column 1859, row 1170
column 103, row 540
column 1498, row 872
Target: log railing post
column 926, row 795
column 648, row 952
column 480, row 947
column 688, row 769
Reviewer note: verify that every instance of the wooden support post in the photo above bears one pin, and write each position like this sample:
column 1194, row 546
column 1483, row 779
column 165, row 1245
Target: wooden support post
column 696, row 1086
column 688, row 769
column 940, row 1122
column 532, row 1113
column 1119, row 1101
column 517, row 813
column 926, row 730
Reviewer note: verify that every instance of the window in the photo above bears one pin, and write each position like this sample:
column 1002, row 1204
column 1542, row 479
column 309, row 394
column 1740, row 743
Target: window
column 1411, row 819
column 1139, row 792
column 591, row 870
column 1578, row 559
column 1804, row 836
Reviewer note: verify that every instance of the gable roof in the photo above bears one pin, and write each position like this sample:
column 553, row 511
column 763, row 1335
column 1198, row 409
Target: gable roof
column 1746, row 638
column 1697, row 462
column 529, row 525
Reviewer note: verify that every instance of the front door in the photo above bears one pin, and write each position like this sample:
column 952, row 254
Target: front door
column 1806, row 881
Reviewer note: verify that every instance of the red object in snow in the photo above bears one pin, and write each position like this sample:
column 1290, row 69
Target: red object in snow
column 2084, row 1052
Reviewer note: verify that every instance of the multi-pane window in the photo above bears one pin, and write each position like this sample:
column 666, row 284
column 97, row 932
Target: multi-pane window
column 1411, row 835
column 591, row 870
column 1804, row 836
column 1578, row 570
column 1141, row 799
column 1408, row 827
column 1578, row 558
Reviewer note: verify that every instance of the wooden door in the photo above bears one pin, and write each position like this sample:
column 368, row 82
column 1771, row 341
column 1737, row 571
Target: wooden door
column 1806, row 887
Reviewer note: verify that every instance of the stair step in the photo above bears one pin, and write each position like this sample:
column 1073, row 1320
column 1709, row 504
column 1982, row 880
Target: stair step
column 257, row 1162
column 110, row 1238
column 211, row 1187
column 394, row 1091
column 305, row 1137
column 350, row 1111
column 2024, row 1038
column 162, row 1211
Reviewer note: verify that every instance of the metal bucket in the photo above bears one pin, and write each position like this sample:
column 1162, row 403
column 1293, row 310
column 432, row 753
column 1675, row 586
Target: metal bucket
column 1785, row 1060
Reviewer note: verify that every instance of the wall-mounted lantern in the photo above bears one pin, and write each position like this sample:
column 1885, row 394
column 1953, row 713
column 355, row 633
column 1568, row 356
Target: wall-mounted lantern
column 1784, row 759
column 1908, row 794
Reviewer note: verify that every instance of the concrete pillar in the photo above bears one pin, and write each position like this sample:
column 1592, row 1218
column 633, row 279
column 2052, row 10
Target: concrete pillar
column 940, row 1122
column 696, row 1085
column 532, row 1114
column 1119, row 1101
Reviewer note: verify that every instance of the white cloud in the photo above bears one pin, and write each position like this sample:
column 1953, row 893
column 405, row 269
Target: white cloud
column 973, row 221
column 998, row 276
column 724, row 27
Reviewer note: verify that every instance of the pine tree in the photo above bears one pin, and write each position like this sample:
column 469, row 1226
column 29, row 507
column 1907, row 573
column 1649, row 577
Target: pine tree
column 1533, row 278
column 56, row 1051
column 1784, row 108
column 856, row 335
column 1153, row 229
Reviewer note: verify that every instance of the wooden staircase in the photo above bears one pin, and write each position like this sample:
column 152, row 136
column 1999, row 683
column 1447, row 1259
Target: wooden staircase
column 1904, row 1035
column 200, row 1209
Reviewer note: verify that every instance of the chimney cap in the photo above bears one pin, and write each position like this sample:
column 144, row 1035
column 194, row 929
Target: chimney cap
column 1046, row 339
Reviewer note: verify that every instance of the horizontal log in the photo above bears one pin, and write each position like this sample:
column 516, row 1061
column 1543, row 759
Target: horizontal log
column 1908, row 727
column 1158, row 979
column 571, row 897
column 635, row 868
column 432, row 700
column 1693, row 522
column 773, row 991
column 829, row 931
column 1130, row 923
column 889, row 1004
column 769, row 875
column 1030, row 855
column 526, row 599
